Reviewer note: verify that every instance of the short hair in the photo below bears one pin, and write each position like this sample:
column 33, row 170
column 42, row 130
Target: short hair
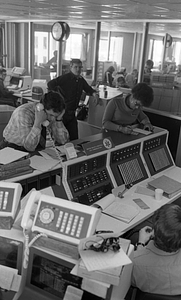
column 121, row 79
column 75, row 61
column 167, row 228
column 143, row 93
column 149, row 63
column 111, row 69
column 53, row 100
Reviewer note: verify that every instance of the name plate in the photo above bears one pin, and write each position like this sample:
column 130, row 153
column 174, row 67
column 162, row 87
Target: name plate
column 98, row 146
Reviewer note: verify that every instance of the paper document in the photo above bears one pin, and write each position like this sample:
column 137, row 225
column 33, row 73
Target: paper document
column 144, row 191
column 99, row 260
column 139, row 130
column 114, row 207
column 6, row 278
column 42, row 164
column 8, row 155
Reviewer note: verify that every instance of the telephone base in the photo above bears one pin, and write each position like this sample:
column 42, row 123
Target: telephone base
column 57, row 246
column 6, row 222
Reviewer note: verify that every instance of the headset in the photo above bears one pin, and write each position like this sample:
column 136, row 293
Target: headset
column 111, row 243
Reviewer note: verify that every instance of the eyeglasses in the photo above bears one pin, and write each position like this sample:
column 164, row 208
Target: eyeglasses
column 138, row 102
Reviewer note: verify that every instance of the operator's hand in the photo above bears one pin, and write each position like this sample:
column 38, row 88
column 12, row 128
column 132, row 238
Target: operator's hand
column 126, row 129
column 145, row 234
column 148, row 127
column 40, row 117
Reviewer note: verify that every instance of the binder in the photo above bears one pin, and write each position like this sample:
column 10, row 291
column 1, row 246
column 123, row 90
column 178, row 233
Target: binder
column 170, row 187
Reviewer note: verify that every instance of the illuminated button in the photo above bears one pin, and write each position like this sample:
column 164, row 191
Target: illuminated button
column 5, row 202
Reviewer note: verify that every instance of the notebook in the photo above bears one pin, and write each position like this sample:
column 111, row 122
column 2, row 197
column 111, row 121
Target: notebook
column 170, row 186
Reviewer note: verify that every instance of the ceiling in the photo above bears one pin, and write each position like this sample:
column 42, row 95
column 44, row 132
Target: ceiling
column 164, row 16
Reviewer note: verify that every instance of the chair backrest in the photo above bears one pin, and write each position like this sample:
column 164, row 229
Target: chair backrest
column 147, row 296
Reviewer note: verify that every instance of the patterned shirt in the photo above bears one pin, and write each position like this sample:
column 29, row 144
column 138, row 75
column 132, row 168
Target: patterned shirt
column 21, row 130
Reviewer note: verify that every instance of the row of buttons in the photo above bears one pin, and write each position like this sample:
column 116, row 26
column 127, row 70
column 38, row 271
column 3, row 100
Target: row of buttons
column 3, row 200
column 90, row 180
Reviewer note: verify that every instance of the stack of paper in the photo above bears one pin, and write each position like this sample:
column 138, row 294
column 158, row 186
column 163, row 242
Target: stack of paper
column 13, row 163
column 101, row 266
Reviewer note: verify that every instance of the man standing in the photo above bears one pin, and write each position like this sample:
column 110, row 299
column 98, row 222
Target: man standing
column 72, row 85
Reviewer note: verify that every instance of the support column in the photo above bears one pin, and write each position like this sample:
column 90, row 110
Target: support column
column 143, row 51
column 96, row 50
column 59, row 59
column 31, row 50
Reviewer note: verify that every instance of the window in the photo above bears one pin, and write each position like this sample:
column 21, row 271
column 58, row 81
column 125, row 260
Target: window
column 41, row 47
column 155, row 51
column 103, row 49
column 177, row 52
column 73, row 46
column 36, row 41
column 44, row 42
column 115, row 52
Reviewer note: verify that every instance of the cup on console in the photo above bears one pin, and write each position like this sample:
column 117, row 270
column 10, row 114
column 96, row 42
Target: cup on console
column 158, row 194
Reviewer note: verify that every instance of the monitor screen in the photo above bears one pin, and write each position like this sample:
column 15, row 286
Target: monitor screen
column 49, row 275
column 11, row 253
column 20, row 83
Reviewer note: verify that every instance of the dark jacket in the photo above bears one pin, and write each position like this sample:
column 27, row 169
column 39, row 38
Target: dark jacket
column 72, row 88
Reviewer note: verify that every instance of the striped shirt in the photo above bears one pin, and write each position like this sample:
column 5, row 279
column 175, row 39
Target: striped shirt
column 21, row 130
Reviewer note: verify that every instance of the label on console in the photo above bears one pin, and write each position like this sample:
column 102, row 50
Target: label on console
column 98, row 146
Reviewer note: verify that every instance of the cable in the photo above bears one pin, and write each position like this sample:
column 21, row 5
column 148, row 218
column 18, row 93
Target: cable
column 54, row 147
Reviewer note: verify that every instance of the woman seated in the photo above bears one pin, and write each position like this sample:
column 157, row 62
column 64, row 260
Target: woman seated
column 124, row 111
column 108, row 78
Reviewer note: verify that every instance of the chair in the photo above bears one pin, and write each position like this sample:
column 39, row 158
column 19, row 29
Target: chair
column 137, row 294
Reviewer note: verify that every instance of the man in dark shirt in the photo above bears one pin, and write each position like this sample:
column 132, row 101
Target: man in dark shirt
column 6, row 96
column 72, row 85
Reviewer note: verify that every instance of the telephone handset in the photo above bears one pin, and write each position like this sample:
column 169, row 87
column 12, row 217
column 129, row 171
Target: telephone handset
column 40, row 107
column 59, row 218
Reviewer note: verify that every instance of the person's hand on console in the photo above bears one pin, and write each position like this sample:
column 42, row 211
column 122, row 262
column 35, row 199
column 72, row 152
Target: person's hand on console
column 145, row 234
column 148, row 127
column 125, row 129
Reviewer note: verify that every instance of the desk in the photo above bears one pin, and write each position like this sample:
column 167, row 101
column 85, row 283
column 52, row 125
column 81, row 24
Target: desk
column 121, row 142
column 171, row 122
column 118, row 226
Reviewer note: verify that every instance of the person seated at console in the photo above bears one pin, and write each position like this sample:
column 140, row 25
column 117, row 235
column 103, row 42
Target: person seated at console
column 26, row 128
column 157, row 258
column 124, row 111
column 6, row 96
